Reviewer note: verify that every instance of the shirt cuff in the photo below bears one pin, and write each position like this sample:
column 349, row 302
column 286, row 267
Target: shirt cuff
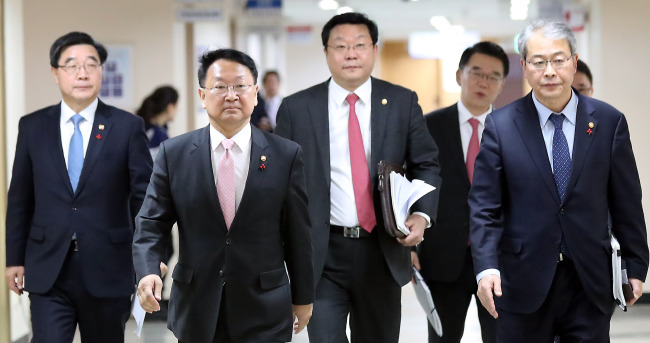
column 486, row 272
column 426, row 217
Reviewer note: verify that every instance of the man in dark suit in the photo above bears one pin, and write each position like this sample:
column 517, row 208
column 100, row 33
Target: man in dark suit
column 445, row 256
column 230, row 283
column 345, row 126
column 552, row 165
column 79, row 177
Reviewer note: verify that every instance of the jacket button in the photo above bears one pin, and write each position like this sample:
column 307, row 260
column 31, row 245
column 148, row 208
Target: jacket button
column 228, row 241
column 74, row 208
column 221, row 273
column 562, row 211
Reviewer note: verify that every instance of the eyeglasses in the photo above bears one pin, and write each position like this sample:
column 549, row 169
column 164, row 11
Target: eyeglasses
column 360, row 48
column 476, row 75
column 74, row 68
column 223, row 89
column 556, row 63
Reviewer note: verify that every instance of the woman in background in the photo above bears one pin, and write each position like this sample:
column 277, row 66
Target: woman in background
column 157, row 110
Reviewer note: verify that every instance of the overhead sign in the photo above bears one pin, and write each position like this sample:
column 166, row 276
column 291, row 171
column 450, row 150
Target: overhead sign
column 198, row 14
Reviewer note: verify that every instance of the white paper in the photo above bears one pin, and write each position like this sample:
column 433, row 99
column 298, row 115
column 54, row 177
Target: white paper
column 404, row 194
column 617, row 276
column 423, row 295
column 138, row 314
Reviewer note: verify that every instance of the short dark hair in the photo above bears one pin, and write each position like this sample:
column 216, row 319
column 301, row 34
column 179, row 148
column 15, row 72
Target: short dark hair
column 583, row 68
column 157, row 102
column 269, row 73
column 350, row 18
column 209, row 57
column 486, row 48
column 75, row 38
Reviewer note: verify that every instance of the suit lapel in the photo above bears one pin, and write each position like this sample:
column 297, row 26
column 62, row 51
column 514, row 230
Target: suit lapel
column 256, row 177
column 99, row 134
column 201, row 157
column 319, row 116
column 379, row 112
column 528, row 124
column 52, row 139
column 582, row 140
column 454, row 142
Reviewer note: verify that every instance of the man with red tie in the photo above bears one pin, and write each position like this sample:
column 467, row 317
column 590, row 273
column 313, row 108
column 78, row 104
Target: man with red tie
column 445, row 258
column 238, row 196
column 346, row 125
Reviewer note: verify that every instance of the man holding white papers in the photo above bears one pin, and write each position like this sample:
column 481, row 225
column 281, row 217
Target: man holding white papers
column 445, row 255
column 552, row 165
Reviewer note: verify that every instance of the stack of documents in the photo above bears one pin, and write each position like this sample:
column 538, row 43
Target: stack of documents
column 404, row 194
column 619, row 276
column 424, row 298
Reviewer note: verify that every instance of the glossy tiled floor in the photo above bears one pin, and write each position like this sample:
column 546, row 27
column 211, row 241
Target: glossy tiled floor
column 630, row 327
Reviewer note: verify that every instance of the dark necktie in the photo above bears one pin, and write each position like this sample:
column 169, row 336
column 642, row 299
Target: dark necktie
column 75, row 153
column 359, row 168
column 561, row 156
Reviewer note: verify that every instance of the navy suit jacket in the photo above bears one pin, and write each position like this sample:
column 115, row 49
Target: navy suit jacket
column 398, row 135
column 43, row 212
column 442, row 254
column 247, row 262
column 517, row 219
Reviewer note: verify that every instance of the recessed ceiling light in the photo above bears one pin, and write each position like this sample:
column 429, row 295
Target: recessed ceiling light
column 327, row 5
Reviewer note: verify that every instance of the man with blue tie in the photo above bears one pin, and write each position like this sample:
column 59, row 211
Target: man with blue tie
column 552, row 165
column 79, row 177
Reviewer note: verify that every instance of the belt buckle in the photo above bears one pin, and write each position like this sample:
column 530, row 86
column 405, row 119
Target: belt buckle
column 351, row 232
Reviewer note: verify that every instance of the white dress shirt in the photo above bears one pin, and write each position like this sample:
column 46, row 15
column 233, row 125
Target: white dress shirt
column 241, row 152
column 85, row 126
column 464, row 115
column 272, row 105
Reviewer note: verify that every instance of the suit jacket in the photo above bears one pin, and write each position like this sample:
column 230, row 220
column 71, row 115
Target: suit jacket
column 442, row 253
column 398, row 135
column 517, row 219
column 43, row 212
column 247, row 262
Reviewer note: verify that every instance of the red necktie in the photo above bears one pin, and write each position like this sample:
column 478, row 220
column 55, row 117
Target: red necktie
column 472, row 149
column 226, row 182
column 360, row 173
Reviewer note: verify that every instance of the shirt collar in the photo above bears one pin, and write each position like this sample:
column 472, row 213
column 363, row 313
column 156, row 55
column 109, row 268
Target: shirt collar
column 570, row 110
column 87, row 113
column 242, row 138
column 339, row 93
column 464, row 114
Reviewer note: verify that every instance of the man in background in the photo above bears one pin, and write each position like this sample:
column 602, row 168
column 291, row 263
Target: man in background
column 346, row 125
column 445, row 257
column 272, row 97
column 582, row 80
column 79, row 177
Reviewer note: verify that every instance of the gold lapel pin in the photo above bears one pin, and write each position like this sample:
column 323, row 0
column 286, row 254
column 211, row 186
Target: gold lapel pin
column 384, row 101
column 591, row 125
column 101, row 126
column 263, row 158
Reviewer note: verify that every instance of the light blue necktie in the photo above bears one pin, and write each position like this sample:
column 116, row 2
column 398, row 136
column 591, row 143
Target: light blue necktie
column 561, row 166
column 75, row 153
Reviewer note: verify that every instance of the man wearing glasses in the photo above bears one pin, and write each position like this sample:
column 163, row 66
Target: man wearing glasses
column 552, row 165
column 582, row 81
column 346, row 125
column 238, row 196
column 445, row 259
column 79, row 177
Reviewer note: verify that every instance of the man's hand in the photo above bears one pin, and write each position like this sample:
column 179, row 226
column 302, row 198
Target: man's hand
column 163, row 269
column 415, row 261
column 301, row 316
column 14, row 276
column 486, row 286
column 637, row 289
column 416, row 224
column 149, row 292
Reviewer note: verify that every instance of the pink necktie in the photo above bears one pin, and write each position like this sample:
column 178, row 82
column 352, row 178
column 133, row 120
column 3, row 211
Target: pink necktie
column 226, row 182
column 360, row 173
column 472, row 149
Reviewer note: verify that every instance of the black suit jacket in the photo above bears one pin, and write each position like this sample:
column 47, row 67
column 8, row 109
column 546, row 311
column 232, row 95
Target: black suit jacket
column 398, row 135
column 247, row 262
column 517, row 219
column 442, row 253
column 43, row 212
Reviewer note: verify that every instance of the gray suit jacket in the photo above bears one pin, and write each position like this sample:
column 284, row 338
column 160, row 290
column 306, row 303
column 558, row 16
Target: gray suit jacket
column 398, row 134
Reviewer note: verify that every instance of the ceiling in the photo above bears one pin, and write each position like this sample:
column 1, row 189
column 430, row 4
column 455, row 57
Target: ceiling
column 397, row 18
